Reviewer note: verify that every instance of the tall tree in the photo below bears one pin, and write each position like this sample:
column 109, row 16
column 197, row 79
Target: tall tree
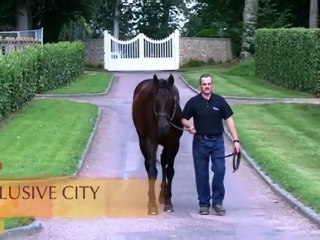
column 113, row 16
column 53, row 15
column 313, row 14
column 23, row 15
column 271, row 15
column 250, row 12
column 116, row 19
column 7, row 19
column 156, row 19
column 222, row 18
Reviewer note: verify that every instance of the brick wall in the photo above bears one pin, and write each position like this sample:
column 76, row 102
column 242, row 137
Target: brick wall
column 202, row 49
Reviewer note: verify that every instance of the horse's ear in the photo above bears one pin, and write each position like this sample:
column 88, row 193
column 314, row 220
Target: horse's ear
column 155, row 80
column 171, row 80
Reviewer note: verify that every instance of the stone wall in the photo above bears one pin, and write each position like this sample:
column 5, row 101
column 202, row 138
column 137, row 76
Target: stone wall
column 202, row 49
column 94, row 52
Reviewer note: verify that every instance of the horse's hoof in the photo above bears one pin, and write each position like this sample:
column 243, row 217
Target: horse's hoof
column 168, row 208
column 153, row 211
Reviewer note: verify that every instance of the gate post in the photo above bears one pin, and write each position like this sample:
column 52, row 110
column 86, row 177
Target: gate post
column 141, row 50
column 176, row 48
column 107, row 49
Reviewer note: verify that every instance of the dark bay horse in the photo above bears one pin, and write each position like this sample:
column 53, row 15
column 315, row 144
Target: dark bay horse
column 156, row 114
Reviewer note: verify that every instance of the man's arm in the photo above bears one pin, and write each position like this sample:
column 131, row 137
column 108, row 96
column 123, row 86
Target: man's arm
column 187, row 114
column 232, row 128
column 188, row 125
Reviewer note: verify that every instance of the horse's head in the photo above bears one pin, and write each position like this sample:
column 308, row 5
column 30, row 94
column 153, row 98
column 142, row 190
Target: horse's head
column 164, row 102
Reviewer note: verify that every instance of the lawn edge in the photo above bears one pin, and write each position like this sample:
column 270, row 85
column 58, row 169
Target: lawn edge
column 88, row 145
column 36, row 226
column 310, row 100
column 289, row 198
column 31, row 228
column 40, row 95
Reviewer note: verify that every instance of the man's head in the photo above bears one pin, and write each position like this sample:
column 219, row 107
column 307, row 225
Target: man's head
column 206, row 82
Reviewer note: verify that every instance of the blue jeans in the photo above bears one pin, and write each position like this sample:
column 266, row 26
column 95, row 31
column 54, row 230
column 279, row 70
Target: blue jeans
column 203, row 150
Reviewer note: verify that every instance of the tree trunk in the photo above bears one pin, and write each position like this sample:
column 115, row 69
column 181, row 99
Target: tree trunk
column 116, row 19
column 23, row 15
column 313, row 14
column 165, row 16
column 249, row 27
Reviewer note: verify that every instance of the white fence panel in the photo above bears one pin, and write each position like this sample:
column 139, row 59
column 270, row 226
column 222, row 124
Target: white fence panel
column 141, row 53
column 34, row 34
column 11, row 45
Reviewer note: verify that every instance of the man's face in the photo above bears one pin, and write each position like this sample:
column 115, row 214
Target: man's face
column 206, row 85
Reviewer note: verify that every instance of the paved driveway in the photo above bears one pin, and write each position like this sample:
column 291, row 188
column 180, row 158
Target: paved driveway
column 253, row 210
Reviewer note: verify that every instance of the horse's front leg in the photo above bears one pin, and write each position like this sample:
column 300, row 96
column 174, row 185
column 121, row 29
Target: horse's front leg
column 170, row 154
column 149, row 149
column 163, row 186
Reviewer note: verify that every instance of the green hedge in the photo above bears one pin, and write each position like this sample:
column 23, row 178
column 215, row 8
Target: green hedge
column 208, row 33
column 289, row 57
column 61, row 63
column 35, row 70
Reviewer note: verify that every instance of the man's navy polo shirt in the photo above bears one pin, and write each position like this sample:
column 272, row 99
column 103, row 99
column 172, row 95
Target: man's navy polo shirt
column 207, row 114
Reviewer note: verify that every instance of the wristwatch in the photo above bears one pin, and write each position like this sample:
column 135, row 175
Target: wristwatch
column 237, row 140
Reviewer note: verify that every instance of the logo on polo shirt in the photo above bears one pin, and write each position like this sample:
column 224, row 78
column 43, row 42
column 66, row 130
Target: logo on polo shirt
column 216, row 109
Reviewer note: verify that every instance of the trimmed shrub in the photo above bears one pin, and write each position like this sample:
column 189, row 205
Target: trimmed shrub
column 289, row 57
column 209, row 33
column 65, row 61
column 75, row 29
column 37, row 69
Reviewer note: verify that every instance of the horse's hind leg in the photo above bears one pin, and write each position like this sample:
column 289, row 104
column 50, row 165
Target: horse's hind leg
column 148, row 150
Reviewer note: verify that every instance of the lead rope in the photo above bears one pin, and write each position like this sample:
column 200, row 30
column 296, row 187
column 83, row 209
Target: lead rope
column 177, row 127
column 236, row 156
column 236, row 159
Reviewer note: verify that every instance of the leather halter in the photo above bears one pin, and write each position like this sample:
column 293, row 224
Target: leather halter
column 170, row 118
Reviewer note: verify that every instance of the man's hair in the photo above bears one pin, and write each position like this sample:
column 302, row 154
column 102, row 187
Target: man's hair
column 205, row 75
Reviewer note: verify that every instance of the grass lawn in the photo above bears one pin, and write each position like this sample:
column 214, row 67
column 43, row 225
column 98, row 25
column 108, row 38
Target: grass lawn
column 89, row 82
column 239, row 80
column 16, row 222
column 284, row 140
column 46, row 138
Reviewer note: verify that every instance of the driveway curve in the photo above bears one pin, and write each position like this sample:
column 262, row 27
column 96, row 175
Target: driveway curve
column 253, row 210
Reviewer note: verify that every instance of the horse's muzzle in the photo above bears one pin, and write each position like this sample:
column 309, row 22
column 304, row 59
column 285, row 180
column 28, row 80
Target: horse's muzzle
column 163, row 130
column 163, row 126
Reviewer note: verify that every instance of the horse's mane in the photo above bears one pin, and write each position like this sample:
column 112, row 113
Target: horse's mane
column 163, row 84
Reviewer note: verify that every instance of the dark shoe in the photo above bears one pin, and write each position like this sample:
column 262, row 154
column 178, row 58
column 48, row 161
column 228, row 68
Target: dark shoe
column 204, row 211
column 219, row 210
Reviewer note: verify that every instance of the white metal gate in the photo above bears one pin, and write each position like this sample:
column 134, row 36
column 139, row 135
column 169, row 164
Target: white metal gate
column 141, row 53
